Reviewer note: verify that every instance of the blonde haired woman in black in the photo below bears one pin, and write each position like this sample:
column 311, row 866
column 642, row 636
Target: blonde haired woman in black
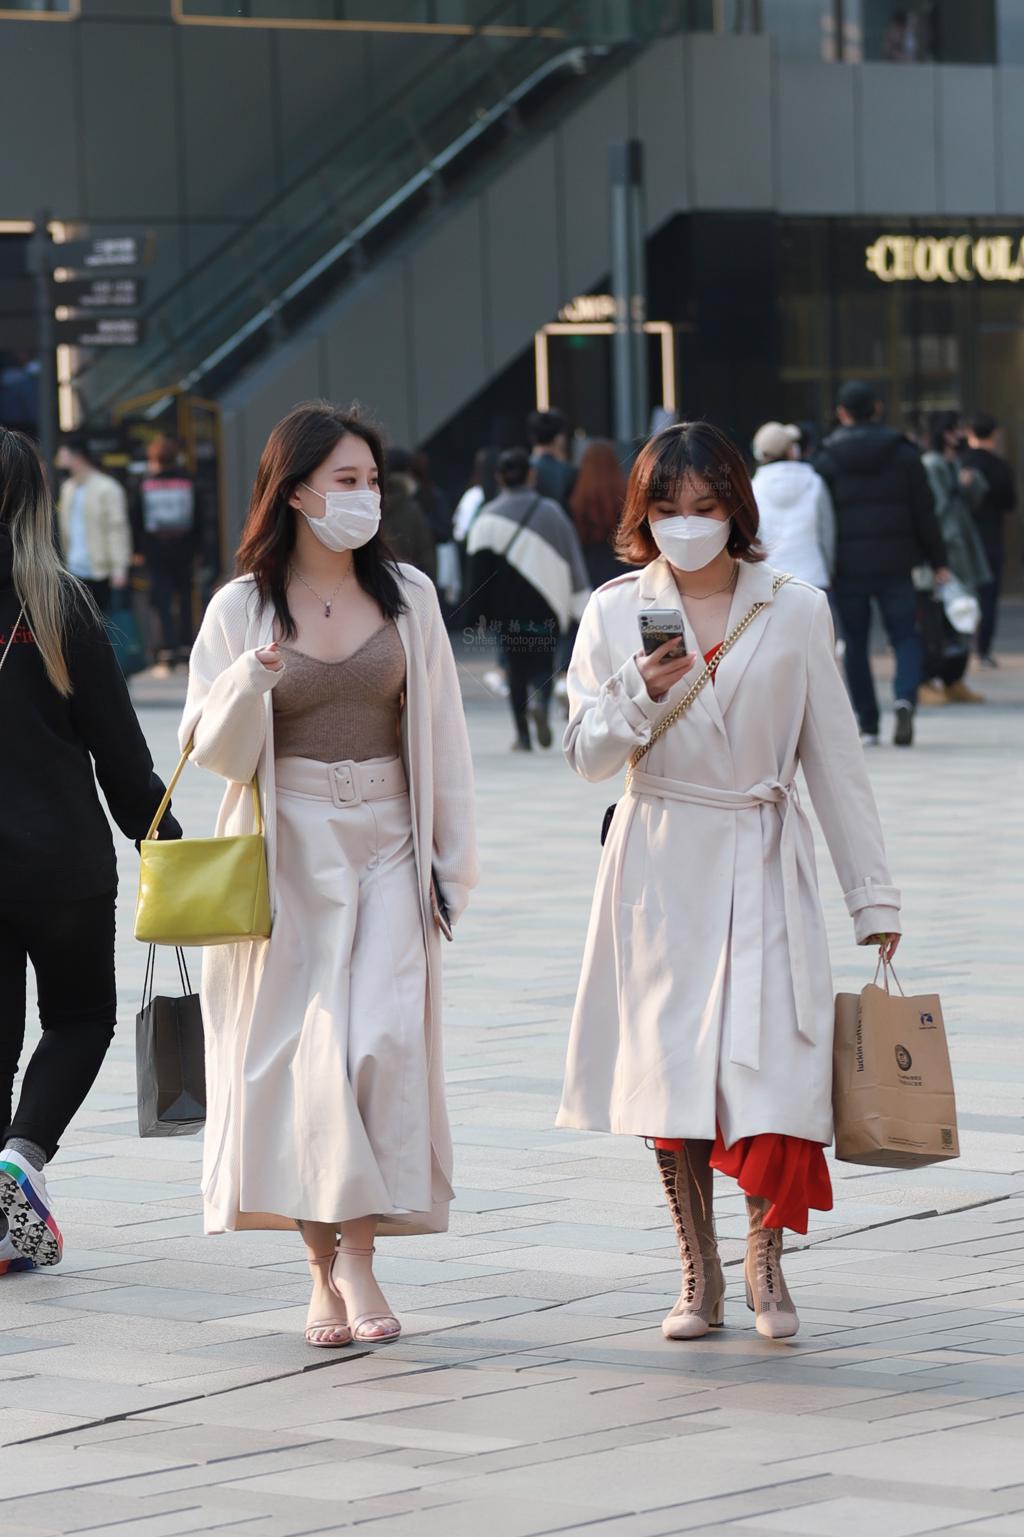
column 64, row 711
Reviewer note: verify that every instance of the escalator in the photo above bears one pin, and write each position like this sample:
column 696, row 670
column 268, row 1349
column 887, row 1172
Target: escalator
column 381, row 174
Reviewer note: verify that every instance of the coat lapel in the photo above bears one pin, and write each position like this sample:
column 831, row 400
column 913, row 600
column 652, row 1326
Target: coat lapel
column 658, row 590
column 753, row 585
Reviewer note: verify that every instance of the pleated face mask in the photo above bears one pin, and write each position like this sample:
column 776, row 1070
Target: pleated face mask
column 350, row 520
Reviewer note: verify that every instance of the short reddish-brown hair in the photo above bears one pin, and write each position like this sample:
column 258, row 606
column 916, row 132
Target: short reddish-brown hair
column 694, row 451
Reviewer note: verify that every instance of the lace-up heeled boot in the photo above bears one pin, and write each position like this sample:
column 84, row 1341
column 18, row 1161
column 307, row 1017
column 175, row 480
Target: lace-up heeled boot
column 688, row 1179
column 767, row 1293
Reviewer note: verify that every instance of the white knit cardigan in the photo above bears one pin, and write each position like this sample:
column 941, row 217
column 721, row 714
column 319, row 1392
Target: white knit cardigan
column 229, row 716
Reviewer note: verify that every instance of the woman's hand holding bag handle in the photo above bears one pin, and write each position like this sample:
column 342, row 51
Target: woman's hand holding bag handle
column 203, row 891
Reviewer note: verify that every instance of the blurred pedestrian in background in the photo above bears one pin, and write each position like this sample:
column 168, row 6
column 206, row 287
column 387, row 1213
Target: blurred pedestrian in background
column 404, row 524
column 67, row 722
column 798, row 525
column 595, row 506
column 483, row 487
column 92, row 519
column 438, row 512
column 165, row 519
column 529, row 578
column 19, row 392
column 958, row 491
column 553, row 475
column 990, row 514
column 885, row 526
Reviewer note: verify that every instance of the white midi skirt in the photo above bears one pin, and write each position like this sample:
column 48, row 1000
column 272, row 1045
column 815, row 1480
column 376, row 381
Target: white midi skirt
column 334, row 1078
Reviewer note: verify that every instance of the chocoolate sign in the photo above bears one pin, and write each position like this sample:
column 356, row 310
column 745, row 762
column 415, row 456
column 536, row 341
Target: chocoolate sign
column 946, row 258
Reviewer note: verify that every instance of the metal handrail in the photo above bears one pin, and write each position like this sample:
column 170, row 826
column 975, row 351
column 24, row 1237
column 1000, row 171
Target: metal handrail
column 165, row 355
column 160, row 306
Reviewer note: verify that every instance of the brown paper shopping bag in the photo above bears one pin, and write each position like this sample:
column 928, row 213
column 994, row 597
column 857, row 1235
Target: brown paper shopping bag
column 892, row 1088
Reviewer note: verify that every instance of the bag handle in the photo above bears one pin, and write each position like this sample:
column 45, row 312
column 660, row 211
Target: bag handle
column 887, row 968
column 151, row 967
column 708, row 673
column 159, row 813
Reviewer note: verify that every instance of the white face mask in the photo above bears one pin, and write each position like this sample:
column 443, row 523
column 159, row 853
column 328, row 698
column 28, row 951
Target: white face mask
column 350, row 520
column 690, row 543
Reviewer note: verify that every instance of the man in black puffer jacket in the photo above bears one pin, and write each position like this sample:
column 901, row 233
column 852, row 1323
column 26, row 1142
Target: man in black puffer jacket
column 885, row 526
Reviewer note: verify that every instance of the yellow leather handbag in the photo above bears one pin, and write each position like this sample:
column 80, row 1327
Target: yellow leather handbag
column 203, row 891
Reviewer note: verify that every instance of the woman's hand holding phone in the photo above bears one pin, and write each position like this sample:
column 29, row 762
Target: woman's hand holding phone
column 662, row 672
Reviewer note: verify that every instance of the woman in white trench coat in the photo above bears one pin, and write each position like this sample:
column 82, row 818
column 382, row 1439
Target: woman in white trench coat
column 704, row 1014
column 325, row 670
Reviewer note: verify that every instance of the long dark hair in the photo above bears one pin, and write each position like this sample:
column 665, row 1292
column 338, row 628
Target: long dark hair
column 300, row 442
column 688, row 451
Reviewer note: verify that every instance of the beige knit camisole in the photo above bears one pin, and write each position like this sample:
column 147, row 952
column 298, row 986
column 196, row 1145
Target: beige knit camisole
column 336, row 711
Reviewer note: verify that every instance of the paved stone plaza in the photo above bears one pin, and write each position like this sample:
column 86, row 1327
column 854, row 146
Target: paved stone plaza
column 157, row 1383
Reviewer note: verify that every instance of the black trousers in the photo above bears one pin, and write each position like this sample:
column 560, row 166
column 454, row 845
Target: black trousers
column 530, row 673
column 71, row 947
column 988, row 595
column 170, row 576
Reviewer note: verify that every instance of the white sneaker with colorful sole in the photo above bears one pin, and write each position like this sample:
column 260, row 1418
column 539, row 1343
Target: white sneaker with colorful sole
column 32, row 1227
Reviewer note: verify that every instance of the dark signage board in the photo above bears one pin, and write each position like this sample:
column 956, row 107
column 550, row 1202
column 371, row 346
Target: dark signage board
column 103, row 253
column 113, row 293
column 100, row 332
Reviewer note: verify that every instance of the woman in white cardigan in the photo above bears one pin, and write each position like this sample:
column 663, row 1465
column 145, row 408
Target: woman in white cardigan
column 325, row 671
column 704, row 1014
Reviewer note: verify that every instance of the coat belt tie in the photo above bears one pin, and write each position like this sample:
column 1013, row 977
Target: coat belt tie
column 747, row 944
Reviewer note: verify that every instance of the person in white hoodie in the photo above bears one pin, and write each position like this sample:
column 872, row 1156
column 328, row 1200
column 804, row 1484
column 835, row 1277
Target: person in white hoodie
column 798, row 526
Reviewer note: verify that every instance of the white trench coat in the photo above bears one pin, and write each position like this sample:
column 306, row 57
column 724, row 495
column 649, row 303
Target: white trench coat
column 229, row 712
column 706, row 991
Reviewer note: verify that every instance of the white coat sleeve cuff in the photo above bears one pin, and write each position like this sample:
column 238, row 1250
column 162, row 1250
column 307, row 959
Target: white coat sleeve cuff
column 253, row 676
column 876, row 920
column 875, row 909
column 640, row 710
column 871, row 894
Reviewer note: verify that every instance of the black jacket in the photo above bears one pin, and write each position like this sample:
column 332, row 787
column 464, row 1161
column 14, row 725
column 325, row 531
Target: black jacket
column 885, row 512
column 54, row 836
column 1001, row 496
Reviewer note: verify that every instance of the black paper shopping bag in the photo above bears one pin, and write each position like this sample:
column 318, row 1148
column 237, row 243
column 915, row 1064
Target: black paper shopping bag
column 169, row 1059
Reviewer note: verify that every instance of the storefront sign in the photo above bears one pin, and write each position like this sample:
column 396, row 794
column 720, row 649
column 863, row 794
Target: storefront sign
column 947, row 258
column 100, row 293
column 99, row 332
column 589, row 309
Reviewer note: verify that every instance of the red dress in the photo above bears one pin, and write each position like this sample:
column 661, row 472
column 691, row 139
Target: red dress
column 788, row 1171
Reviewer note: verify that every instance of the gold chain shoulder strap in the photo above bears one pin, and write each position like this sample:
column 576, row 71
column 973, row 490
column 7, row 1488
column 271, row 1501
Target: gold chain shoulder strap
column 695, row 688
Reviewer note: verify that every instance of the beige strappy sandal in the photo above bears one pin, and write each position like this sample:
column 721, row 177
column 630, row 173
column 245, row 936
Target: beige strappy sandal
column 367, row 1328
column 334, row 1325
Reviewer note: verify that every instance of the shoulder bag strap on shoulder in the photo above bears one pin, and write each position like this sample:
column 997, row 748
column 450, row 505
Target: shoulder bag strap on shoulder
column 14, row 630
column 705, row 677
column 524, row 525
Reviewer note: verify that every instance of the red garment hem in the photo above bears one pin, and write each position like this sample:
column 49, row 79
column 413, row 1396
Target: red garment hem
column 790, row 1172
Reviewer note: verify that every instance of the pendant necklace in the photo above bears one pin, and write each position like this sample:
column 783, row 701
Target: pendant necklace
column 328, row 603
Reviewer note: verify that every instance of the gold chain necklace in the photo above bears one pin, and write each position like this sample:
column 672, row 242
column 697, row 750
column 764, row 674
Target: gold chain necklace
column 702, row 597
column 328, row 603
